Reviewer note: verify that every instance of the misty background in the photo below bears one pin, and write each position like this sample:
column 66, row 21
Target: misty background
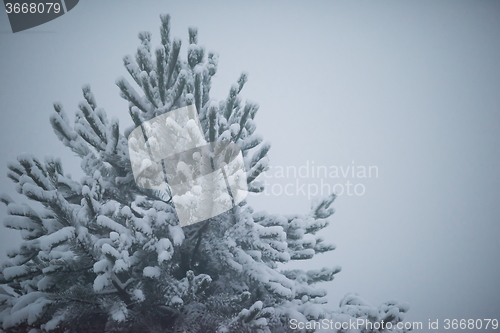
column 412, row 88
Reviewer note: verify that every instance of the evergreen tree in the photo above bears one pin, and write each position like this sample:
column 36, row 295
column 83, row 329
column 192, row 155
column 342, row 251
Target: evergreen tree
column 105, row 255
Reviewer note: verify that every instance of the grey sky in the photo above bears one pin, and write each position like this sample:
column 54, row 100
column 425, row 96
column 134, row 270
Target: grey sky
column 409, row 87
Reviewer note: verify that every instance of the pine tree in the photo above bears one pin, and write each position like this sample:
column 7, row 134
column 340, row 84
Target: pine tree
column 104, row 255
